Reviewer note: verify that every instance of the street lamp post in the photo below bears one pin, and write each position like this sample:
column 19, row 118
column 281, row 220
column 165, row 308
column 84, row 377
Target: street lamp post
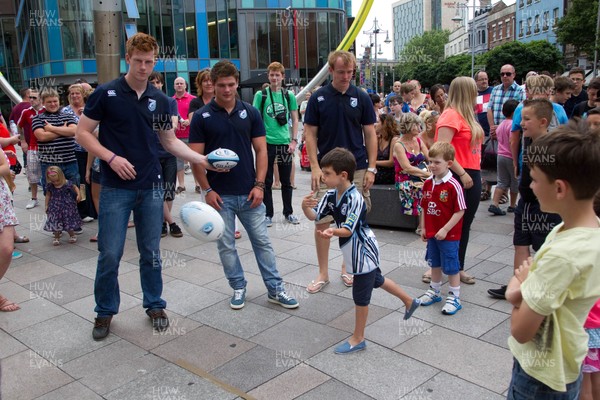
column 458, row 19
column 376, row 30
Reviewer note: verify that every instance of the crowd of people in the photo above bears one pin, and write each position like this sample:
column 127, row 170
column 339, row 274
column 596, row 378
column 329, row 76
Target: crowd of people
column 443, row 150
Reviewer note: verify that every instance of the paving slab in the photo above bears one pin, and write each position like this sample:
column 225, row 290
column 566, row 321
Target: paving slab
column 185, row 298
column 85, row 307
column 472, row 362
column 498, row 335
column 334, row 389
column 9, row 345
column 291, row 383
column 244, row 323
column 88, row 267
column 377, row 371
column 442, row 384
column 72, row 391
column 197, row 272
column 25, row 377
column 205, row 348
column 69, row 255
column 13, row 292
column 33, row 271
column 345, row 322
column 32, row 312
column 63, row 288
column 392, row 330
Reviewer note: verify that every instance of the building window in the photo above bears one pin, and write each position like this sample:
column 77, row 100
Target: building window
column 520, row 28
column 521, row 3
column 528, row 26
column 483, row 37
column 536, row 28
column 546, row 22
column 555, row 17
column 500, row 28
column 493, row 33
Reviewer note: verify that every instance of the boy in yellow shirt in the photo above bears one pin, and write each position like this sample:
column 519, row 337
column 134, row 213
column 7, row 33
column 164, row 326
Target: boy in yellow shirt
column 553, row 293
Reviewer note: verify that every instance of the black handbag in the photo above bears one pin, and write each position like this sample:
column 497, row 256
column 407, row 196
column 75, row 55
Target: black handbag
column 489, row 155
column 16, row 168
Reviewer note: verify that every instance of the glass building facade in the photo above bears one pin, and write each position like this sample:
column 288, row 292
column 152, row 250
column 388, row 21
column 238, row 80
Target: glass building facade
column 56, row 37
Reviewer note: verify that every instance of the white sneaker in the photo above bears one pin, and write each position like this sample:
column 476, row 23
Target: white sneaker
column 452, row 304
column 187, row 169
column 32, row 203
column 292, row 219
column 87, row 219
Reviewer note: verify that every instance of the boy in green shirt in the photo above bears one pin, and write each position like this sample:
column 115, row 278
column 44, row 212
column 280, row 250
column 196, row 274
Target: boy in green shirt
column 553, row 292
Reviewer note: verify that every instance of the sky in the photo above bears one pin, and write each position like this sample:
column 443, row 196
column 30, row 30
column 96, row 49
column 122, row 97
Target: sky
column 382, row 10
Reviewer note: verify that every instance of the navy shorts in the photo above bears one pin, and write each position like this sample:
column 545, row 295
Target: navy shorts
column 169, row 172
column 443, row 253
column 532, row 225
column 363, row 286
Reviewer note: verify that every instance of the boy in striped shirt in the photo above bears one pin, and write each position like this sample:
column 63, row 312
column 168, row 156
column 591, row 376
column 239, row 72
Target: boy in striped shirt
column 441, row 223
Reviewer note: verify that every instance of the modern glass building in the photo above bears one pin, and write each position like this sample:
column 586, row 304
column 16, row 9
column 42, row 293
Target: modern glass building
column 56, row 37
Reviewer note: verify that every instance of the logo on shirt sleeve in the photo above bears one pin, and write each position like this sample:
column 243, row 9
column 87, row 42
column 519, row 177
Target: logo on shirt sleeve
column 353, row 102
column 151, row 104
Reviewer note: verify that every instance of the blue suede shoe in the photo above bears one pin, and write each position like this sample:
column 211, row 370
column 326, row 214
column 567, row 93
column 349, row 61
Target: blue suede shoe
column 409, row 312
column 346, row 348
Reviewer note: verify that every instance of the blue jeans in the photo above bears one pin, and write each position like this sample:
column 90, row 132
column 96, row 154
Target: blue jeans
column 253, row 220
column 115, row 207
column 524, row 387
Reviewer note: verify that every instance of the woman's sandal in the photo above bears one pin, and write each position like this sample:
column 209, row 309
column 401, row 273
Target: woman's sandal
column 21, row 239
column 348, row 280
column 56, row 242
column 467, row 279
column 426, row 278
column 73, row 239
column 485, row 195
column 7, row 305
column 503, row 199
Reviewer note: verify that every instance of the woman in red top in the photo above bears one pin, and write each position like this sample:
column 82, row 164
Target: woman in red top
column 8, row 144
column 458, row 125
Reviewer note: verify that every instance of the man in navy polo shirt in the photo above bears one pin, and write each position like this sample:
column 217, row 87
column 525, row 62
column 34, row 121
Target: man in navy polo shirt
column 339, row 115
column 229, row 123
column 130, row 111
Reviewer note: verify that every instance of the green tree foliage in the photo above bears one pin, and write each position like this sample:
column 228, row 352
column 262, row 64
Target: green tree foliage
column 420, row 51
column 578, row 26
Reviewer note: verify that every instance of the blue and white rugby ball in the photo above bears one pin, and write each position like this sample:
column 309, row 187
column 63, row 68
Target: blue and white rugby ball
column 223, row 158
column 202, row 221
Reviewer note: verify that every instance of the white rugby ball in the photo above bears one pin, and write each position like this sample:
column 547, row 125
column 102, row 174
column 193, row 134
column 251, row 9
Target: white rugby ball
column 202, row 221
column 223, row 158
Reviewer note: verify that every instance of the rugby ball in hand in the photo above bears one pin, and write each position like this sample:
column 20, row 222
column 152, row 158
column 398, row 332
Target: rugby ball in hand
column 202, row 221
column 223, row 158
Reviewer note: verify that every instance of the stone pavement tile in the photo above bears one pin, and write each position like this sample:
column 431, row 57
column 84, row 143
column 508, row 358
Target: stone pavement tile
column 195, row 271
column 489, row 252
column 72, row 391
column 485, row 268
column 492, row 239
column 280, row 245
column 468, row 358
column 14, row 292
column 378, row 372
column 205, row 348
column 503, row 275
column 398, row 237
column 169, row 382
column 135, row 326
column 472, row 320
column 302, row 237
column 103, row 378
column 88, row 267
column 25, row 378
column 441, row 385
column 85, row 307
column 392, row 330
column 33, row 271
column 9, row 345
column 308, row 255
column 309, row 338
column 185, row 298
column 61, row 339
column 302, row 277
column 474, row 249
column 333, row 389
column 503, row 226
column 69, row 253
column 498, row 335
column 345, row 322
column 63, row 288
column 291, row 384
column 32, row 312
column 26, row 259
column 312, row 307
column 284, row 265
column 505, row 256
column 207, row 252
column 476, row 294
column 252, row 369
column 503, row 306
column 101, row 360
column 244, row 323
column 384, row 299
column 255, row 286
column 129, row 282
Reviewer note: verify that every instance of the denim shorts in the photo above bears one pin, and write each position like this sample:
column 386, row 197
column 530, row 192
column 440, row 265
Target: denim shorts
column 524, row 387
column 363, row 286
column 443, row 253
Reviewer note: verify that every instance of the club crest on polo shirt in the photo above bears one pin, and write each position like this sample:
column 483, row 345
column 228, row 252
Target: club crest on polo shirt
column 344, row 209
column 444, row 196
column 243, row 114
column 353, row 101
column 320, row 99
column 111, row 93
column 205, row 114
column 151, row 104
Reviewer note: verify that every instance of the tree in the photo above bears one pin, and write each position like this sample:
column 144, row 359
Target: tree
column 578, row 27
column 420, row 52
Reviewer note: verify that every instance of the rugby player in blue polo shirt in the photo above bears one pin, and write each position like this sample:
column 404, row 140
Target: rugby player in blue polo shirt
column 229, row 123
column 130, row 111
column 339, row 115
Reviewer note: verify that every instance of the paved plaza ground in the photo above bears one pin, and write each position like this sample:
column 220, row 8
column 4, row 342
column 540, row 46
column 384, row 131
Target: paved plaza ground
column 262, row 351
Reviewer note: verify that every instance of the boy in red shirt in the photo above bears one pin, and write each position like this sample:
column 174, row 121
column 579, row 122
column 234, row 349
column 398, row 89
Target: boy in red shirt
column 441, row 223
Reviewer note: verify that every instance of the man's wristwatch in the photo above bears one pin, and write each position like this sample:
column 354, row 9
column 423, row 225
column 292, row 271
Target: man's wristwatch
column 373, row 170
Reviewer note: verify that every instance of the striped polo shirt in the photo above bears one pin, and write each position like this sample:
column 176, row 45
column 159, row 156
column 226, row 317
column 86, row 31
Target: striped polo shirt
column 60, row 150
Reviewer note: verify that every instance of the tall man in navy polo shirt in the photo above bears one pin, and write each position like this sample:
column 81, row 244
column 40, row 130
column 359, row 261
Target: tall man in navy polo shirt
column 229, row 123
column 130, row 111
column 339, row 115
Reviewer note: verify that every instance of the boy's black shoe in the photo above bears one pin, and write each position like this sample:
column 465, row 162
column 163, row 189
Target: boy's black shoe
column 175, row 230
column 164, row 232
column 101, row 327
column 160, row 322
column 499, row 293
